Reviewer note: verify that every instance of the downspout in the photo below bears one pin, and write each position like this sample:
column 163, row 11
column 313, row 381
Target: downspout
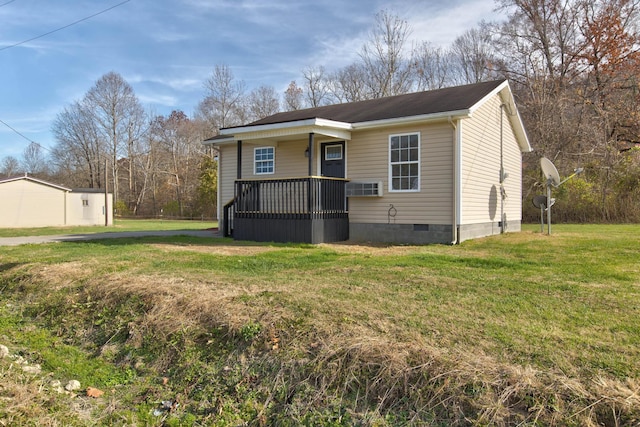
column 456, row 183
column 501, row 170
column 66, row 194
column 503, row 174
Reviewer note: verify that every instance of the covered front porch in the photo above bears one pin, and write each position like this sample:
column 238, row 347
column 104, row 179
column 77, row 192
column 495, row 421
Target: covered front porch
column 301, row 210
column 271, row 205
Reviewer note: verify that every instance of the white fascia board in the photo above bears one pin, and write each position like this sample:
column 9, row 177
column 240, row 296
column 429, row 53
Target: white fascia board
column 220, row 141
column 240, row 131
column 491, row 94
column 504, row 91
column 521, row 133
column 325, row 127
column 332, row 132
column 459, row 114
column 333, row 124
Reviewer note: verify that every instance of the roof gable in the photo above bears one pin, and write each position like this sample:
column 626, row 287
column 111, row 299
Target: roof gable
column 34, row 180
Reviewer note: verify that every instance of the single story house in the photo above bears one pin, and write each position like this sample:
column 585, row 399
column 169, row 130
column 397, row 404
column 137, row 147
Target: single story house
column 440, row 166
column 30, row 202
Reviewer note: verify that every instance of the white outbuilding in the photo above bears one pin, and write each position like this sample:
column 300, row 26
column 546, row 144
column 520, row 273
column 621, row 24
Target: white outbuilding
column 30, row 202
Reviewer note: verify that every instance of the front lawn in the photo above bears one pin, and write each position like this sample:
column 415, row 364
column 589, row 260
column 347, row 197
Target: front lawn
column 517, row 328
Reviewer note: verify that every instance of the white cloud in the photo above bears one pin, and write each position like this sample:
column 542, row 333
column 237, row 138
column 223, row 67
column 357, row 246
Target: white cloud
column 441, row 27
column 180, row 83
column 158, row 99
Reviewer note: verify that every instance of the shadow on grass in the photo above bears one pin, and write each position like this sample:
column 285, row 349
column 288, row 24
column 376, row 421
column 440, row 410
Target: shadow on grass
column 9, row 265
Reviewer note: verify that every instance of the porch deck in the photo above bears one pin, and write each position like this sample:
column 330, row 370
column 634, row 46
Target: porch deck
column 301, row 210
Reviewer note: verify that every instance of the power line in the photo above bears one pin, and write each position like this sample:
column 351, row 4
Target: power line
column 4, row 4
column 62, row 28
column 30, row 140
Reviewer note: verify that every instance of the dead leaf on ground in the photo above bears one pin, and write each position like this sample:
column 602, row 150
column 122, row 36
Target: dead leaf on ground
column 94, row 392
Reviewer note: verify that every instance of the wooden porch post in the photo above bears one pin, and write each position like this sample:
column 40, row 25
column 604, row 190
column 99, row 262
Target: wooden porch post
column 239, row 165
column 311, row 151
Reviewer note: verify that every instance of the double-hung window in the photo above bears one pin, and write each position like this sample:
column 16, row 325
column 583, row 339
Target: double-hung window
column 263, row 160
column 404, row 162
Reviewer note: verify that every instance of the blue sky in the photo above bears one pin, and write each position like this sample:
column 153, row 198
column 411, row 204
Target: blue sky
column 165, row 49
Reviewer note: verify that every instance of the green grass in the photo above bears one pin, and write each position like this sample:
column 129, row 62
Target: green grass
column 119, row 225
column 566, row 306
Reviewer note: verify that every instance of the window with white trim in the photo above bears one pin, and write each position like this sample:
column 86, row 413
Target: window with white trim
column 264, row 160
column 404, row 162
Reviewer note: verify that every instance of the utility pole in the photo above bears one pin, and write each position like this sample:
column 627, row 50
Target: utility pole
column 106, row 195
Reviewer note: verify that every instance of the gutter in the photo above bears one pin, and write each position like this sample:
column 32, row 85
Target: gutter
column 448, row 115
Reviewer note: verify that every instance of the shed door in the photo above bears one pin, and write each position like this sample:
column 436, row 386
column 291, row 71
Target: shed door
column 332, row 159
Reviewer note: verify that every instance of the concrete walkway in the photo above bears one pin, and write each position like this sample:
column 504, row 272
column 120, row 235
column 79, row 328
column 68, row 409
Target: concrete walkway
column 15, row 241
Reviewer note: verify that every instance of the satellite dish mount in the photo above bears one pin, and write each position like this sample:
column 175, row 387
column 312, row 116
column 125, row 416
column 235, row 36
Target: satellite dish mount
column 552, row 180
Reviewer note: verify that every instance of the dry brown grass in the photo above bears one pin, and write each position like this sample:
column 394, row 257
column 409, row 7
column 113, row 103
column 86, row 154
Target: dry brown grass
column 28, row 399
column 376, row 359
column 216, row 250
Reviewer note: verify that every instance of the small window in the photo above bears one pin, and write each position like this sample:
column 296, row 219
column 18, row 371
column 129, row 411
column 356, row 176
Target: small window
column 404, row 162
column 333, row 152
column 264, row 160
column 85, row 202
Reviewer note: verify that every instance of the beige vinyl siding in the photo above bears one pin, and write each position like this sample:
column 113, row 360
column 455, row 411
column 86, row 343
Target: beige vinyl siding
column 368, row 160
column 290, row 162
column 227, row 160
column 30, row 204
column 480, row 158
column 289, row 159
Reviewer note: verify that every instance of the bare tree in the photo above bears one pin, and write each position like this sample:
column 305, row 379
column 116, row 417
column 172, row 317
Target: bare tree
column 80, row 147
column 224, row 102
column 10, row 166
column 546, row 32
column 433, row 67
column 317, row 88
column 473, row 53
column 120, row 120
column 33, row 160
column 293, row 97
column 178, row 152
column 263, row 102
column 349, row 84
column 384, row 58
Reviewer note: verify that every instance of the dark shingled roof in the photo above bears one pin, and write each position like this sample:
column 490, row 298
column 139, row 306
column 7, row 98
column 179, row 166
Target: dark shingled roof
column 412, row 104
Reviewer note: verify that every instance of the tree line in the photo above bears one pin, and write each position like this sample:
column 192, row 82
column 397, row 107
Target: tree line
column 573, row 66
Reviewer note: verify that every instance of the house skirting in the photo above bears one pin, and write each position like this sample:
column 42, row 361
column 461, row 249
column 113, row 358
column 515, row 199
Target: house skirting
column 417, row 234
column 421, row 234
column 295, row 230
column 472, row 231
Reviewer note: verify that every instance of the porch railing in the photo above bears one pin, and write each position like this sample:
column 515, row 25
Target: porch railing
column 312, row 209
column 228, row 212
column 311, row 197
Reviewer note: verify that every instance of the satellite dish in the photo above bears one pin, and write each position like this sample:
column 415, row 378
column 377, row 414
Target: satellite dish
column 543, row 203
column 552, row 180
column 540, row 201
column 550, row 172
